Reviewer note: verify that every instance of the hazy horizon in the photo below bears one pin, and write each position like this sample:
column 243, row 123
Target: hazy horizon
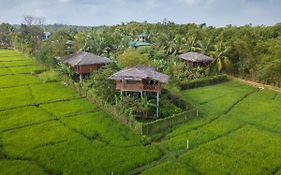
column 217, row 13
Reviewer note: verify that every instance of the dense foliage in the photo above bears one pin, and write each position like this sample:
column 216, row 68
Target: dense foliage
column 248, row 52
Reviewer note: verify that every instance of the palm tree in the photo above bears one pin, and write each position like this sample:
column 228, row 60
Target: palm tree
column 205, row 46
column 219, row 54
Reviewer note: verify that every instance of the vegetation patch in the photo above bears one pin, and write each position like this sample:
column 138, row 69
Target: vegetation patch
column 49, row 76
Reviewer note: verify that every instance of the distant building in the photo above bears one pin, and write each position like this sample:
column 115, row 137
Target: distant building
column 195, row 59
column 137, row 44
column 47, row 35
column 84, row 62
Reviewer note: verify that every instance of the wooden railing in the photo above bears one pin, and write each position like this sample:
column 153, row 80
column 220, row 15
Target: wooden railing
column 150, row 88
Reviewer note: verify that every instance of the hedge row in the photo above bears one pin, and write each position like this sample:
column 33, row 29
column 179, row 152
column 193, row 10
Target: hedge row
column 202, row 82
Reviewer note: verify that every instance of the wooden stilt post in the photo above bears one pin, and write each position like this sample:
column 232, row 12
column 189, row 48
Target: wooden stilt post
column 158, row 102
column 141, row 93
column 80, row 77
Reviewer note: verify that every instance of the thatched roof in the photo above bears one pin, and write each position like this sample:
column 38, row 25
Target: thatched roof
column 196, row 57
column 82, row 58
column 140, row 73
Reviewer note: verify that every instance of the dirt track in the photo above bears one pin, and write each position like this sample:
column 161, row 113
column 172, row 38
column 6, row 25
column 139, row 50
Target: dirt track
column 255, row 84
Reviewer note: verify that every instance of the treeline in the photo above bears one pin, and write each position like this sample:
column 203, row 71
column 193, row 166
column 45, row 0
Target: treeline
column 249, row 52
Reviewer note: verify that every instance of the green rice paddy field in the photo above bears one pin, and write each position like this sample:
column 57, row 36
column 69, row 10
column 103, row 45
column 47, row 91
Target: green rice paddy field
column 47, row 128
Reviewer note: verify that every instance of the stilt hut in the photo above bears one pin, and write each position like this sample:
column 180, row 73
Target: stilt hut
column 140, row 79
column 84, row 62
column 194, row 59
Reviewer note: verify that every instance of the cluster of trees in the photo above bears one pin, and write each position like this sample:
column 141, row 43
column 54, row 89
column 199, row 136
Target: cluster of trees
column 249, row 52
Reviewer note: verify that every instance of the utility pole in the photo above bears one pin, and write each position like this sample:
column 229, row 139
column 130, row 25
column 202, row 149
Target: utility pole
column 158, row 102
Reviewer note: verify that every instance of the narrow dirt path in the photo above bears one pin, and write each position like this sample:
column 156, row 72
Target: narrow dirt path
column 255, row 84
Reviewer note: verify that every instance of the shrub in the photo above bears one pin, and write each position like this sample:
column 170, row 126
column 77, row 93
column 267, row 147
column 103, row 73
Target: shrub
column 49, row 76
column 202, row 82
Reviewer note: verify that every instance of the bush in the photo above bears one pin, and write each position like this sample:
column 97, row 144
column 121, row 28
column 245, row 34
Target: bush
column 49, row 76
column 202, row 82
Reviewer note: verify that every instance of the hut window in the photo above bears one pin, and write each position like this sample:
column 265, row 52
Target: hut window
column 132, row 81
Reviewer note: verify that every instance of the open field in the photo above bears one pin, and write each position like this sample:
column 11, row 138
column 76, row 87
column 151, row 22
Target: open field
column 47, row 128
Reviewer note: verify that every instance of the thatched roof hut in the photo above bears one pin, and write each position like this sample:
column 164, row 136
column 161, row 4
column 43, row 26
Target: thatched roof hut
column 138, row 79
column 82, row 58
column 84, row 62
column 140, row 73
column 196, row 59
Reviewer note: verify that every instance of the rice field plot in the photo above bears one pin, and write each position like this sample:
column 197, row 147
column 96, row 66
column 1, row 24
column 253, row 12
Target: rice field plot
column 244, row 138
column 26, row 69
column 212, row 102
column 92, row 125
column 47, row 128
column 19, row 117
column 18, row 63
column 12, row 56
column 5, row 71
column 22, row 167
column 48, row 92
column 15, row 97
column 75, row 106
column 17, row 80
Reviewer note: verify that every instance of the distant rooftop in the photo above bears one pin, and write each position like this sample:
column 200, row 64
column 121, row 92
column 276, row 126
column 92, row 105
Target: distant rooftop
column 138, row 43
column 81, row 58
column 196, row 57
column 139, row 73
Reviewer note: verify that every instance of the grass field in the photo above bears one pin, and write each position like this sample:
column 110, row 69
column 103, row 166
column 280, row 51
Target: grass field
column 47, row 128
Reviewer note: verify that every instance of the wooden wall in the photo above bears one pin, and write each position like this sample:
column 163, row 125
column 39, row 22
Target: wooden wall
column 87, row 68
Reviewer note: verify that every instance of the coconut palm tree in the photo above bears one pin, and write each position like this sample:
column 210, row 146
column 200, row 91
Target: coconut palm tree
column 219, row 53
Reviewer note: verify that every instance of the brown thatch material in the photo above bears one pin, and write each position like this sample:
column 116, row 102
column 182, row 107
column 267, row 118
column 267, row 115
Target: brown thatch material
column 139, row 73
column 196, row 57
column 82, row 58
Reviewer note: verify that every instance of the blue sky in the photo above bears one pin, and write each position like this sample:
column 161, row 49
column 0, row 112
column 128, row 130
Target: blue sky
column 109, row 12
